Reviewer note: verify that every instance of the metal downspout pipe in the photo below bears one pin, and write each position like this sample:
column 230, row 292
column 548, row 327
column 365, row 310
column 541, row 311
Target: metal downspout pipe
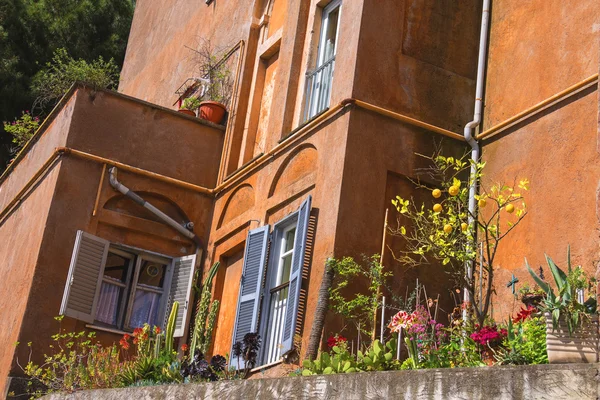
column 118, row 186
column 471, row 127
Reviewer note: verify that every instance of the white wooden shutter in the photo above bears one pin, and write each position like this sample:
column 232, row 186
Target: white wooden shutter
column 82, row 288
column 291, row 313
column 246, row 319
column 181, row 292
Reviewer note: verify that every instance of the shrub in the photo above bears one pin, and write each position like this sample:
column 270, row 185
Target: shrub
column 55, row 79
column 22, row 129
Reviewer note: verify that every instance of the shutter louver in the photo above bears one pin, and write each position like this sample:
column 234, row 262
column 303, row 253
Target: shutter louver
column 85, row 277
column 291, row 312
column 246, row 319
column 181, row 291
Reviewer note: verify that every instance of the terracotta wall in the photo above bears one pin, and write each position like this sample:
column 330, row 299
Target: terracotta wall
column 537, row 49
column 419, row 58
column 380, row 163
column 157, row 61
column 41, row 232
column 273, row 191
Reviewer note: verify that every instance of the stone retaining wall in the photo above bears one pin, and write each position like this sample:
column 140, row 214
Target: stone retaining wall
column 567, row 381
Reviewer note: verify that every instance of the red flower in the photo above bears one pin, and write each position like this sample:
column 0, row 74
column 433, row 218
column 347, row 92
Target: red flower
column 137, row 332
column 336, row 341
column 126, row 337
column 156, row 330
column 184, row 347
column 524, row 314
column 135, row 341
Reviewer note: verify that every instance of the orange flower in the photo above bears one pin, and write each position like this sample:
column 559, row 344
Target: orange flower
column 157, row 330
column 184, row 347
column 124, row 344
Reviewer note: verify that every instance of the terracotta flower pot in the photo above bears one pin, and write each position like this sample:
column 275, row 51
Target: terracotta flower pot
column 580, row 347
column 212, row 111
column 188, row 112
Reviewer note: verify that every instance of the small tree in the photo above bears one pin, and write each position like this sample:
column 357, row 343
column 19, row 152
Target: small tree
column 357, row 308
column 449, row 234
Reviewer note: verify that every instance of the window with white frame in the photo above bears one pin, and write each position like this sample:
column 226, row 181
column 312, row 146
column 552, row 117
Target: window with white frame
column 122, row 288
column 319, row 80
column 271, row 309
column 132, row 289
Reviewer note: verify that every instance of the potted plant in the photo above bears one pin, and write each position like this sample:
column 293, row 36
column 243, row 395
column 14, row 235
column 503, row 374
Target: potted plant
column 189, row 106
column 532, row 296
column 217, row 86
column 571, row 320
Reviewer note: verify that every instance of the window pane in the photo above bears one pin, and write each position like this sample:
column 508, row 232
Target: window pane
column 286, row 267
column 289, row 240
column 117, row 267
column 331, row 34
column 152, row 273
column 108, row 303
column 145, row 308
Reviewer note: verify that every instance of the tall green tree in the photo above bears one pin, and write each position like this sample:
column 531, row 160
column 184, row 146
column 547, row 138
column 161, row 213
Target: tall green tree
column 31, row 31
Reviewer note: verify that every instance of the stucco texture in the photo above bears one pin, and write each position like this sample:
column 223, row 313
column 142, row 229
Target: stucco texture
column 538, row 49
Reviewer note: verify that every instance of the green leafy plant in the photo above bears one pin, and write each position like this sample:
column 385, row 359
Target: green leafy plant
column 447, row 232
column 525, row 343
column 23, row 128
column 357, row 307
column 378, row 357
column 565, row 302
column 339, row 361
column 75, row 361
column 191, row 103
column 55, row 79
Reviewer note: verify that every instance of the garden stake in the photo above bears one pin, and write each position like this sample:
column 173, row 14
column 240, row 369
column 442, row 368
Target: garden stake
column 385, row 223
column 382, row 318
column 437, row 305
column 358, row 339
column 398, row 347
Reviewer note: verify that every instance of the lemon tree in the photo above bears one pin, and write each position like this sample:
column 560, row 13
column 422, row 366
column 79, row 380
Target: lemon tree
column 449, row 234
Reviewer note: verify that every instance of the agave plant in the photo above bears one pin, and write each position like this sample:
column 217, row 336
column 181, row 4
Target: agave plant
column 565, row 303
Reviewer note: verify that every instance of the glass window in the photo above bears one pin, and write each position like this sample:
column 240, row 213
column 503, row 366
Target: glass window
column 319, row 80
column 132, row 290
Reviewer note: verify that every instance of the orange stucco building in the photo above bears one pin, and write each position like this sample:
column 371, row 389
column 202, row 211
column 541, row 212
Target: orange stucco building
column 331, row 100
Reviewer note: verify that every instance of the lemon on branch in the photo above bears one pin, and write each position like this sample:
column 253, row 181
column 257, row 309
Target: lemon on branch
column 436, row 193
column 437, row 207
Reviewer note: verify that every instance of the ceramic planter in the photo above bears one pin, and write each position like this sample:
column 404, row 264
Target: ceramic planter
column 188, row 112
column 212, row 111
column 580, row 347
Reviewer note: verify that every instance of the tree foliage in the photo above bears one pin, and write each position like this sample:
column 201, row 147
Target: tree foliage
column 31, row 31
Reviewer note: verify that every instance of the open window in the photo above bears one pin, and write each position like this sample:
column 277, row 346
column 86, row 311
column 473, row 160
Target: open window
column 271, row 281
column 120, row 288
column 319, row 80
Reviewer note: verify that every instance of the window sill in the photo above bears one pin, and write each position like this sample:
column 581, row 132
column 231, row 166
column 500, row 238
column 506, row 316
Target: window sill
column 106, row 329
column 266, row 366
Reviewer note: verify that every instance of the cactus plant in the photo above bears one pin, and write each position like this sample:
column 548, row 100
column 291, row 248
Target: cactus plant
column 206, row 314
column 171, row 328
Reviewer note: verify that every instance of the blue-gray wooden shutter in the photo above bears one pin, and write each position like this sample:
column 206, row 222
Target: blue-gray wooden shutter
column 291, row 313
column 180, row 291
column 82, row 288
column 246, row 319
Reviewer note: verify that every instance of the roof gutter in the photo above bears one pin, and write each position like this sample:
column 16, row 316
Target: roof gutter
column 118, row 186
column 471, row 127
